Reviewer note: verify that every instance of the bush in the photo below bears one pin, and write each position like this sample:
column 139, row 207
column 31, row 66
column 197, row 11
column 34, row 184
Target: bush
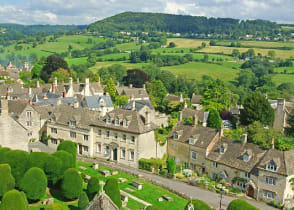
column 19, row 163
column 56, row 206
column 72, row 184
column 34, row 183
column 83, row 200
column 171, row 166
column 53, row 168
column 214, row 119
column 112, row 190
column 38, row 159
column 163, row 172
column 14, row 200
column 69, row 147
column 199, row 205
column 145, row 164
column 239, row 204
column 93, row 187
column 66, row 159
column 7, row 181
column 3, row 151
column 154, row 208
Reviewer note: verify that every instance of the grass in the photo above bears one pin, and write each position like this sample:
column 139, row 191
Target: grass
column 187, row 43
column 281, row 69
column 124, row 63
column 195, row 70
column 283, row 78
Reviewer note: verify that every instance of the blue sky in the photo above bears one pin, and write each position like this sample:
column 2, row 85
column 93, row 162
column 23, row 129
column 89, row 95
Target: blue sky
column 88, row 11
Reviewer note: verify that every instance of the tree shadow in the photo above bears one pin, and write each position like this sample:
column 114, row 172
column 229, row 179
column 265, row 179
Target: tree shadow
column 71, row 207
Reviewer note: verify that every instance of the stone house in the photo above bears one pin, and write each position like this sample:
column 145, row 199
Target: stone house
column 283, row 110
column 132, row 92
column 102, row 104
column 175, row 98
column 195, row 101
column 101, row 202
column 190, row 113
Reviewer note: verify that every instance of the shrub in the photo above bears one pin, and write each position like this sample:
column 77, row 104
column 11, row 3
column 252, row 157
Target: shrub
column 38, row 159
column 72, row 184
column 3, row 151
column 7, row 181
column 199, row 205
column 14, row 200
column 163, row 172
column 34, row 183
column 93, row 187
column 18, row 161
column 66, row 159
column 154, row 208
column 53, row 168
column 112, row 190
column 214, row 119
column 239, row 204
column 171, row 166
column 69, row 147
column 145, row 164
column 56, row 206
column 83, row 200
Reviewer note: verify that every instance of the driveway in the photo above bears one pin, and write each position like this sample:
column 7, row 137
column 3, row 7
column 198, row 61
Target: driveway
column 177, row 187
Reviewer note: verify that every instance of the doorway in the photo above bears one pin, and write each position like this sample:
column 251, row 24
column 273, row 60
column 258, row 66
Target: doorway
column 80, row 149
column 114, row 153
column 250, row 191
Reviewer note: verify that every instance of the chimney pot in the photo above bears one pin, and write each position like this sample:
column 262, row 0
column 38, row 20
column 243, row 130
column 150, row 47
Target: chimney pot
column 195, row 120
column 244, row 138
column 130, row 85
column 38, row 84
column 180, row 116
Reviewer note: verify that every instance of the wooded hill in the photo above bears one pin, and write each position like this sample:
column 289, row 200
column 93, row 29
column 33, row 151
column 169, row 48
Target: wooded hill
column 134, row 21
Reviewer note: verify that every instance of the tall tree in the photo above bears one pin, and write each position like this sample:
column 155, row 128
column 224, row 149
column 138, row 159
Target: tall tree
column 52, row 64
column 136, row 77
column 214, row 120
column 110, row 88
column 290, row 129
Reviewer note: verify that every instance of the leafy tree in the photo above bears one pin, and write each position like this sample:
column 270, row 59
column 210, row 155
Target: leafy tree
column 83, row 200
column 112, row 190
column 38, row 159
column 235, row 53
column 246, row 78
column 93, row 187
column 14, row 200
column 62, row 75
column 110, row 88
column 212, row 43
column 168, row 79
column 171, row 165
column 36, row 71
column 52, row 64
column 256, row 108
column 121, row 100
column 136, row 77
column 53, row 169
column 7, row 181
column 290, row 129
column 66, row 159
column 271, row 54
column 69, row 147
column 34, row 183
column 72, row 184
column 214, row 120
column 203, row 44
column 56, row 206
column 199, row 205
column 240, row 204
column 157, row 91
column 152, row 71
column 171, row 45
column 91, row 59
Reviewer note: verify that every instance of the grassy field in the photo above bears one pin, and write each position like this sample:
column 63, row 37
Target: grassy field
column 124, row 63
column 288, row 69
column 263, row 44
column 283, row 78
column 195, row 70
column 187, row 43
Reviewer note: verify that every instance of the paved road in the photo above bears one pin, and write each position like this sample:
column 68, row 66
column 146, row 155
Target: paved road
column 211, row 198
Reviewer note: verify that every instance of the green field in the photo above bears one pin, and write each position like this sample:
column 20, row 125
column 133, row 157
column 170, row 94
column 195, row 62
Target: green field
column 283, row 78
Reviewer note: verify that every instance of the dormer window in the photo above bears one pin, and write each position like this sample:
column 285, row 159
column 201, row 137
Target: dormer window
column 116, row 122
column 191, row 141
column 246, row 157
column 175, row 136
column 222, row 150
column 108, row 120
column 72, row 123
column 271, row 166
column 53, row 119
column 10, row 90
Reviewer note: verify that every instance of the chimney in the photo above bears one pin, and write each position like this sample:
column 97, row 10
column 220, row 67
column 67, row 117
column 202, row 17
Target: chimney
column 59, row 102
column 147, row 118
column 185, row 105
column 78, row 80
column 76, row 105
column 70, row 82
column 221, row 132
column 64, row 94
column 53, row 88
column 181, row 98
column 144, row 86
column 195, row 120
column 30, row 91
column 180, row 116
column 87, row 87
column 4, row 107
column 55, row 81
column 244, row 139
column 133, row 103
column 273, row 143
column 130, row 85
column 38, row 84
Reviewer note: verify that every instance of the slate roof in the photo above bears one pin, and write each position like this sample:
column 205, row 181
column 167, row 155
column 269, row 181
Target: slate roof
column 171, row 97
column 95, row 101
column 187, row 112
column 16, row 107
column 233, row 155
column 44, row 111
column 139, row 104
column 40, row 147
column 136, row 92
column 203, row 135
column 54, row 101
column 196, row 99
column 17, row 89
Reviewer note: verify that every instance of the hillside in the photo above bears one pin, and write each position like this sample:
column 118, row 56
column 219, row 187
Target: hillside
column 133, row 21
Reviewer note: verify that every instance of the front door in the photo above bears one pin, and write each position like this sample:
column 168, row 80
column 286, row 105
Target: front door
column 250, row 191
column 202, row 170
column 80, row 149
column 114, row 154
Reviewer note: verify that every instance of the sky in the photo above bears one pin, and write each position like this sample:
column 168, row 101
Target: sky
column 79, row 12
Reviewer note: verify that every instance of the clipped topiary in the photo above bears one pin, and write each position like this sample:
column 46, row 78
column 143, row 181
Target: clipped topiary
column 72, row 184
column 154, row 208
column 7, row 181
column 83, row 200
column 53, row 169
column 56, row 206
column 38, row 159
column 93, row 187
column 69, row 147
column 3, row 151
column 199, row 205
column 112, row 190
column 14, row 200
column 66, row 159
column 171, row 166
column 34, row 183
column 240, row 204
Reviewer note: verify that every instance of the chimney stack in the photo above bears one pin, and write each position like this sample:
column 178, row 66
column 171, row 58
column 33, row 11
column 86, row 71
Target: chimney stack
column 55, row 81
column 38, row 84
column 221, row 132
column 244, row 138
column 195, row 120
column 59, row 102
column 76, row 105
column 185, row 105
column 181, row 98
column 144, row 86
column 64, row 94
column 147, row 119
column 180, row 116
column 70, row 82
column 30, row 91
column 87, row 87
column 78, row 80
column 130, row 85
column 133, row 103
column 273, row 143
column 4, row 107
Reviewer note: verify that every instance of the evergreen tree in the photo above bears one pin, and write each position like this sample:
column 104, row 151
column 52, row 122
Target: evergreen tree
column 14, row 200
column 72, row 184
column 214, row 120
column 7, row 181
column 110, row 88
column 83, row 201
column 290, row 129
column 112, row 190
column 93, row 187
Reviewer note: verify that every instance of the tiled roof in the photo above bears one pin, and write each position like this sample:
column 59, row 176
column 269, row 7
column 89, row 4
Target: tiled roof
column 171, row 97
column 187, row 112
column 196, row 99
column 136, row 92
column 95, row 101
column 139, row 104
column 16, row 107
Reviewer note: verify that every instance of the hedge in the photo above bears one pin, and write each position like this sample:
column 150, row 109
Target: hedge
column 148, row 164
column 240, row 204
column 38, row 159
column 112, row 190
column 69, row 147
column 14, row 200
column 72, row 184
column 93, row 187
column 3, row 151
column 56, row 206
column 53, row 169
column 154, row 208
column 66, row 159
column 7, row 181
column 171, row 166
column 83, row 200
column 199, row 205
column 34, row 183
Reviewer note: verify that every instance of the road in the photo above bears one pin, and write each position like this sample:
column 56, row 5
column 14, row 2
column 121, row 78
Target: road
column 177, row 187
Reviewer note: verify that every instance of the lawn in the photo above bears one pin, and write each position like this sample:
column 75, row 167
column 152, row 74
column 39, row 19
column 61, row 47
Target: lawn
column 76, row 61
column 195, row 70
column 150, row 193
column 124, row 63
column 288, row 69
column 283, row 78
column 187, row 43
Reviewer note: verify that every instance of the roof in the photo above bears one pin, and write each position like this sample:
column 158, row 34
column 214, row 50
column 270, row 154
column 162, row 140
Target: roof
column 233, row 154
column 44, row 111
column 171, row 97
column 195, row 99
column 202, row 135
column 55, row 101
column 98, row 101
column 131, row 91
column 101, row 201
column 16, row 89
column 139, row 104
column 16, row 107
column 187, row 112
column 40, row 147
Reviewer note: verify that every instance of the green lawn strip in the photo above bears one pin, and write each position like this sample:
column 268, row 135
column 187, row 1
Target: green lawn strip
column 132, row 204
column 283, row 78
column 288, row 69
column 115, row 56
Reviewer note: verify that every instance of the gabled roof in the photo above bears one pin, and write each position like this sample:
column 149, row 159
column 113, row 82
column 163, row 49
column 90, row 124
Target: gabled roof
column 95, row 101
column 139, row 104
column 171, row 97
column 54, row 101
column 187, row 112
column 16, row 107
column 132, row 91
column 196, row 99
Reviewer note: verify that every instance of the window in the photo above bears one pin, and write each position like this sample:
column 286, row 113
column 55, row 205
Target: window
column 132, row 139
column 29, row 114
column 191, row 141
column 247, row 175
column 116, row 122
column 246, row 157
column 106, row 150
column 175, row 136
column 86, row 137
column 99, row 132
column 193, row 155
column 53, row 130
column 108, row 120
column 115, row 136
column 30, row 134
column 53, row 141
column 53, row 119
column 29, row 123
column 268, row 194
column 126, row 123
column 132, row 155
column 85, row 148
column 271, row 167
column 10, row 90
column 107, row 134
column 222, row 150
column 214, row 164
column 241, row 185
column 72, row 123
column 124, row 137
column 270, row 180
column 98, row 148
column 72, row 134
column 122, row 153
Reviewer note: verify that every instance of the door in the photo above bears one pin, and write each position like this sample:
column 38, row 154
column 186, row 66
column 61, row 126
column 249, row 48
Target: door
column 114, row 154
column 250, row 191
column 80, row 149
column 203, row 170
